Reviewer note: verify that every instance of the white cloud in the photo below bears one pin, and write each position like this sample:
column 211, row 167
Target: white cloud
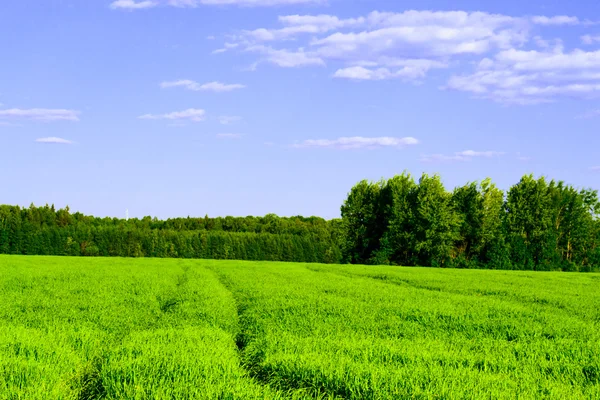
column 132, row 4
column 217, row 87
column 226, row 47
column 324, row 22
column 415, row 34
column 358, row 142
column 229, row 119
column 412, row 41
column 423, row 36
column 595, row 168
column 410, row 45
column 555, row 20
column 442, row 18
column 302, row 24
column 41, row 114
column 229, row 135
column 287, row 58
column 533, row 60
column 362, row 73
column 267, row 35
column 53, row 140
column 191, row 114
column 532, row 77
column 487, row 154
column 220, row 87
column 590, row 39
column 410, row 70
column 466, row 155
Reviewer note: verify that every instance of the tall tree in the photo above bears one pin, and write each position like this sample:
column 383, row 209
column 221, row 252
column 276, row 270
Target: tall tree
column 436, row 223
column 397, row 205
column 363, row 222
column 468, row 202
column 494, row 252
column 530, row 222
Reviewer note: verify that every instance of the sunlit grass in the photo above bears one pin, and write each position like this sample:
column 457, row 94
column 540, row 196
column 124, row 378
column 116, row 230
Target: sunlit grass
column 73, row 328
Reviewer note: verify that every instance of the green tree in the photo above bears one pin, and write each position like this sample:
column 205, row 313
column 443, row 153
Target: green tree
column 468, row 202
column 494, row 252
column 530, row 219
column 362, row 222
column 397, row 202
column 436, row 223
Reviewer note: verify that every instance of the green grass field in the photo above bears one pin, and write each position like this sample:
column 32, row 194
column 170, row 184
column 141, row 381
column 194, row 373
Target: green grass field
column 108, row 328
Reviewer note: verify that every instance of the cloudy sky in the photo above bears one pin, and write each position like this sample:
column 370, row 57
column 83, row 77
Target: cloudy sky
column 246, row 107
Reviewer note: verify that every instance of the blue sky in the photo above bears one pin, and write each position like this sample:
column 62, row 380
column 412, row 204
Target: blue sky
column 246, row 107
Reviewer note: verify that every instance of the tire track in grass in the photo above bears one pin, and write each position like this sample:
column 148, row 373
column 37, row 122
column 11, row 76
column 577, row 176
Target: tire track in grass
column 502, row 295
column 119, row 328
column 243, row 336
column 291, row 372
column 298, row 355
column 250, row 341
column 89, row 380
column 198, row 352
column 542, row 315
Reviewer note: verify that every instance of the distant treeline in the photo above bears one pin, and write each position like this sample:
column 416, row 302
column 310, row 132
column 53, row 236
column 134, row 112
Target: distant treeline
column 536, row 225
column 46, row 231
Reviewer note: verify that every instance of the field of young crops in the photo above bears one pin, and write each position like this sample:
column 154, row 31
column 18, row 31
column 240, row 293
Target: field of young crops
column 108, row 328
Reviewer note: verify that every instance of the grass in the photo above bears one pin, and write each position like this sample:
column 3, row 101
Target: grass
column 97, row 328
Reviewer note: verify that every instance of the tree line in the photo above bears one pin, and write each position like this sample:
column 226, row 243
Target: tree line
column 536, row 225
column 47, row 231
